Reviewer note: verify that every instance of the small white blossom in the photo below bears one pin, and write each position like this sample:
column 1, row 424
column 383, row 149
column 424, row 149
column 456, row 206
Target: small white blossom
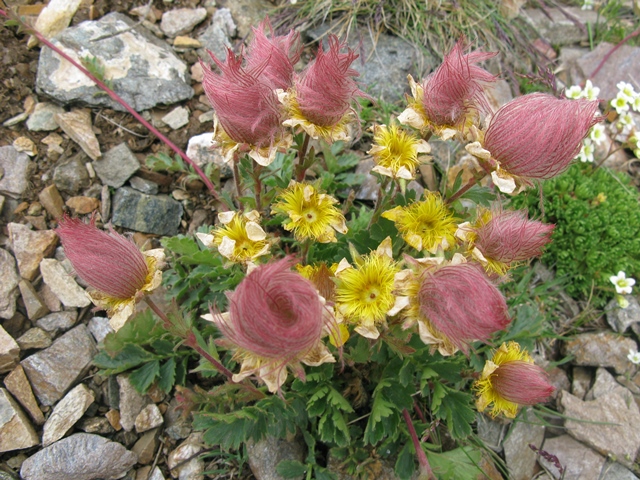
column 626, row 90
column 573, row 92
column 626, row 119
column 622, row 283
column 590, row 92
column 620, row 103
column 597, row 133
column 587, row 151
column 634, row 357
column 635, row 104
column 588, row 5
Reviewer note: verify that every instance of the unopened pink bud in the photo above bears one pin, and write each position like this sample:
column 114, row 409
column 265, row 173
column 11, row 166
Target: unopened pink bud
column 455, row 88
column 537, row 135
column 509, row 236
column 522, row 382
column 107, row 262
column 326, row 88
column 461, row 302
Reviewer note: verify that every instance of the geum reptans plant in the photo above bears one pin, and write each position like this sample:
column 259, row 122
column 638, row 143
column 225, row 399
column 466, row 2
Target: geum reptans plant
column 117, row 272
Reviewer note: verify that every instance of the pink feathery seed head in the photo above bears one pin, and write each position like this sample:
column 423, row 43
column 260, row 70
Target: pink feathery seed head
column 107, row 262
column 275, row 55
column 247, row 108
column 275, row 312
column 456, row 86
column 462, row 303
column 509, row 236
column 522, row 383
column 326, row 88
column 537, row 135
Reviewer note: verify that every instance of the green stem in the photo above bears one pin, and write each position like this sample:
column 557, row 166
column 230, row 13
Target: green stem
column 425, row 468
column 472, row 181
column 302, row 153
column 257, row 170
column 380, row 201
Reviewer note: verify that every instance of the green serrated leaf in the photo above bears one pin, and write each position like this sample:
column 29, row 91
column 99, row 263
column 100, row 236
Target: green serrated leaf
column 167, row 375
column 291, row 468
column 405, row 463
column 181, row 245
column 128, row 357
column 405, row 374
column 459, row 464
column 140, row 329
column 143, row 377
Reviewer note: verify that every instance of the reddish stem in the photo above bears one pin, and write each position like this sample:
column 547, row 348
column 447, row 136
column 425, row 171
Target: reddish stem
column 118, row 99
column 425, row 468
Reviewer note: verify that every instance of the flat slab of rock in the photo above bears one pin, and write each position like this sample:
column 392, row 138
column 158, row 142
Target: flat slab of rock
column 19, row 386
column 159, row 214
column 16, row 432
column 560, row 29
column 625, row 61
column 622, row 318
column 116, row 166
column 54, row 370
column 9, row 285
column 617, row 432
column 58, row 321
column 62, row 284
column 71, row 175
column 66, row 413
column 82, row 456
column 142, row 69
column 131, row 403
column 30, row 247
column 181, row 20
column 602, row 349
column 578, row 461
column 17, row 168
column 521, row 460
column 42, row 118
column 9, row 351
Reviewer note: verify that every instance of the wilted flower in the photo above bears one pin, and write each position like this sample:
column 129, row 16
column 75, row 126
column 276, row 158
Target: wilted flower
column 322, row 276
column 452, row 97
column 275, row 321
column 240, row 238
column 456, row 300
column 425, row 225
column 511, row 379
column 365, row 293
column 320, row 100
column 535, row 137
column 396, row 152
column 500, row 238
column 312, row 215
column 117, row 272
column 622, row 283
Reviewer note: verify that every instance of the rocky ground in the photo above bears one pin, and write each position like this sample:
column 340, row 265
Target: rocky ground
column 64, row 147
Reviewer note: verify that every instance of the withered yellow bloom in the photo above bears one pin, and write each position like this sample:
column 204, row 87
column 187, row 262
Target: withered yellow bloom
column 425, row 225
column 312, row 215
column 396, row 152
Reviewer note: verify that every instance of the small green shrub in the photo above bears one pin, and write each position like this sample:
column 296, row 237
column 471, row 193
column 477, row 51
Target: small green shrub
column 597, row 232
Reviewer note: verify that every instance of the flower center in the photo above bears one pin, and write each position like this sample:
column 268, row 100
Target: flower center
column 310, row 216
column 371, row 294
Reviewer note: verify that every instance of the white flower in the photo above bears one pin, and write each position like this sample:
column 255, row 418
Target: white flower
column 590, row 92
column 626, row 90
column 587, row 151
column 597, row 133
column 634, row 357
column 622, row 283
column 620, row 103
column 588, row 5
column 573, row 92
column 635, row 104
column 626, row 120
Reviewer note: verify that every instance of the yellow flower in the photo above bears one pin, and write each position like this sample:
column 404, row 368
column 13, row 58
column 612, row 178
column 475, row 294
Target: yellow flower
column 396, row 152
column 511, row 379
column 365, row 294
column 312, row 215
column 425, row 225
column 239, row 238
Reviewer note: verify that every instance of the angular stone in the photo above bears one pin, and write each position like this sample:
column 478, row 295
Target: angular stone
column 200, row 150
column 116, row 166
column 19, row 386
column 560, row 29
column 581, row 382
column 54, row 18
column 181, row 20
column 177, row 118
column 579, row 462
column 17, row 168
column 99, row 328
column 9, row 351
column 622, row 318
column 624, row 61
column 143, row 185
column 559, row 379
column 217, row 35
column 82, row 456
column 16, row 432
column 491, row 431
column 30, row 247
column 131, row 403
column 77, row 124
column 9, row 284
column 521, row 460
column 71, row 175
column 58, row 321
column 36, row 308
column 96, row 425
column 113, row 416
column 54, row 370
column 146, row 446
column 142, row 69
column 34, row 338
column 264, row 455
column 63, row 284
column 83, row 205
column 615, row 471
column 42, row 118
column 148, row 418
column 187, row 449
column 66, row 413
column 186, row 42
column 609, row 424
column 602, row 349
column 605, row 384
column 52, row 201
column 26, row 145
column 158, row 214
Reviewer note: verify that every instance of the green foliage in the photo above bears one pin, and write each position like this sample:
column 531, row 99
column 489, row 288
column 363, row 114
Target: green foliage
column 95, row 66
column 145, row 349
column 459, row 464
column 162, row 162
column 597, row 229
column 614, row 22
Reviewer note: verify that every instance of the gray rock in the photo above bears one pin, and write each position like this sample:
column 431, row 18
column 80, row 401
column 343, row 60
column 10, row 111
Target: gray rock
column 96, row 425
column 99, row 328
column 202, row 153
column 34, row 305
column 581, row 382
column 217, row 35
column 605, row 384
column 30, row 247
column 579, row 462
column 66, row 413
column 54, row 370
column 615, row 471
column 19, row 386
column 369, row 188
column 131, row 403
column 521, row 460
column 158, row 214
column 265, row 455
column 148, row 418
column 625, row 62
column 105, row 201
column 34, row 338
column 187, row 449
column 63, row 284
column 82, row 456
column 247, row 14
column 177, row 118
column 491, row 432
column 559, row 379
column 145, row 447
column 622, row 318
column 143, row 185
column 560, row 29
column 9, row 351
column 16, row 432
column 602, row 349
column 57, row 322
column 116, row 166
column 71, row 176
column 9, row 284
column 16, row 168
column 609, row 424
column 42, row 118
column 142, row 69
column 181, row 20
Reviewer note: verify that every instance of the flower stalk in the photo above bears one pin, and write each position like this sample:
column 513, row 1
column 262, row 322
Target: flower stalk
column 425, row 469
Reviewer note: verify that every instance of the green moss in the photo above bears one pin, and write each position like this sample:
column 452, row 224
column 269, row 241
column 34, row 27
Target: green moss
column 597, row 232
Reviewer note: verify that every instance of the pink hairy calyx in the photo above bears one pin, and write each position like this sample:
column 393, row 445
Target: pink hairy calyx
column 522, row 383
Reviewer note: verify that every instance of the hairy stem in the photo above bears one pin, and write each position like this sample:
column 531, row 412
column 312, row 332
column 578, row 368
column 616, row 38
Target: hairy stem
column 425, row 468
column 472, row 181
